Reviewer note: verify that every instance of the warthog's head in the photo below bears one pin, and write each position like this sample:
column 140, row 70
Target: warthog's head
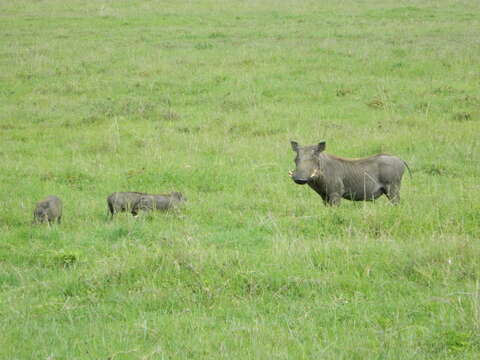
column 178, row 196
column 306, row 161
column 40, row 216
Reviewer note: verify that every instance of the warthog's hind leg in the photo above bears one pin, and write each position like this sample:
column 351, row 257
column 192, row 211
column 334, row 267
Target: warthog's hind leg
column 392, row 191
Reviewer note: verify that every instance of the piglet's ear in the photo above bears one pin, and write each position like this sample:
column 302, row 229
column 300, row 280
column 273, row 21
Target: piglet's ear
column 294, row 145
column 321, row 146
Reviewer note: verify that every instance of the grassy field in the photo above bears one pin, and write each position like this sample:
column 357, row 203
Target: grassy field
column 203, row 97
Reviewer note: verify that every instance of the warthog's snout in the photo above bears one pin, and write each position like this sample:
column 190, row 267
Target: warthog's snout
column 300, row 181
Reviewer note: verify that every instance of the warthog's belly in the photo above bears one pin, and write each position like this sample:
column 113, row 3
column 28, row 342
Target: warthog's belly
column 364, row 195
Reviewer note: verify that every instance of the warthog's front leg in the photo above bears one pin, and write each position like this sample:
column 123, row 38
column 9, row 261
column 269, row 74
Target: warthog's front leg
column 334, row 199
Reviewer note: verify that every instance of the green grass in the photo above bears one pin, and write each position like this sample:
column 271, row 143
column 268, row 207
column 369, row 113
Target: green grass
column 203, row 97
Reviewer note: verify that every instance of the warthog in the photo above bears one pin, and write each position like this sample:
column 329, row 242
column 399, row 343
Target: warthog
column 122, row 201
column 334, row 178
column 161, row 202
column 48, row 210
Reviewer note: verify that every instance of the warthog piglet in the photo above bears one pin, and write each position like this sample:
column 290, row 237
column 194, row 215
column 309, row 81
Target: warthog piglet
column 48, row 210
column 160, row 202
column 122, row 201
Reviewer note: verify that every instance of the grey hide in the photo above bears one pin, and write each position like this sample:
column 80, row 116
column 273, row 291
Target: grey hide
column 48, row 210
column 123, row 201
column 334, row 178
column 160, row 202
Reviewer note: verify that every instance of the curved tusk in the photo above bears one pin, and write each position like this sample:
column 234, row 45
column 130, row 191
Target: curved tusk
column 290, row 173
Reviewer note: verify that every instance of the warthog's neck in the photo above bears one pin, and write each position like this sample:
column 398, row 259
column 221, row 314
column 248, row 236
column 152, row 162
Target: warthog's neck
column 330, row 168
column 322, row 160
column 318, row 181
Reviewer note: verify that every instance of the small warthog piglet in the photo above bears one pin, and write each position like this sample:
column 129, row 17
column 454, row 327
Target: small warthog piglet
column 122, row 201
column 48, row 210
column 160, row 202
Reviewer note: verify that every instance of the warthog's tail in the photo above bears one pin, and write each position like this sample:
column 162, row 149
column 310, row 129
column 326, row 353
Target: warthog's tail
column 408, row 168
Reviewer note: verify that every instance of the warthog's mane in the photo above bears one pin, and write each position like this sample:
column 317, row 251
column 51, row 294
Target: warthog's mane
column 366, row 158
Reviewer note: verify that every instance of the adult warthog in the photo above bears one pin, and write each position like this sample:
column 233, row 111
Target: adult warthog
column 334, row 177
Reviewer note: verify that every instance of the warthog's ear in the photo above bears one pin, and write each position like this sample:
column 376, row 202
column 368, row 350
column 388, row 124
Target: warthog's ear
column 321, row 146
column 294, row 145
